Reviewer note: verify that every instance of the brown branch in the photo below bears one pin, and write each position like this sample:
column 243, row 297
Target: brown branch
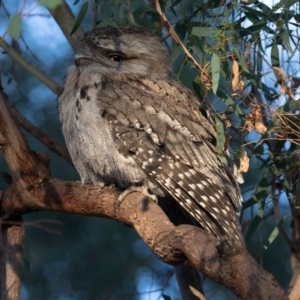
column 26, row 168
column 295, row 292
column 11, row 261
column 185, row 244
column 46, row 139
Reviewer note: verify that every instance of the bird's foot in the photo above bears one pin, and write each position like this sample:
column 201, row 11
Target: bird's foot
column 136, row 189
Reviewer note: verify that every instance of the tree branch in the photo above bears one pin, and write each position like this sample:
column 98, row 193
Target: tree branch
column 65, row 19
column 11, row 261
column 182, row 245
column 15, row 55
column 46, row 139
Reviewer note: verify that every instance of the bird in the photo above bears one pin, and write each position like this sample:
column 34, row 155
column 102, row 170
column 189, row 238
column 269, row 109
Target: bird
column 128, row 123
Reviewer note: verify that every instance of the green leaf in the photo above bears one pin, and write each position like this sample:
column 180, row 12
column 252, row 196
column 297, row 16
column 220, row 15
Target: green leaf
column 14, row 26
column 226, row 13
column 265, row 8
column 254, row 11
column 51, row 4
column 176, row 53
column 275, row 57
column 286, row 184
column 213, row 4
column 259, row 63
column 259, row 196
column 248, row 203
column 274, row 234
column 252, row 17
column 168, row 5
column 252, row 228
column 202, row 31
column 297, row 17
column 291, row 105
column 80, row 17
column 286, row 4
column 241, row 59
column 286, row 39
column 105, row 12
column 257, row 27
column 215, row 72
column 232, row 104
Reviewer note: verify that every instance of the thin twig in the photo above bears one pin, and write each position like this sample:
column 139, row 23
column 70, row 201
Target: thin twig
column 172, row 32
column 14, row 55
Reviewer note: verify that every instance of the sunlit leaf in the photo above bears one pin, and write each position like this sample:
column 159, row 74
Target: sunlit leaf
column 51, row 4
column 274, row 234
column 14, row 26
column 215, row 72
column 286, row 184
column 81, row 15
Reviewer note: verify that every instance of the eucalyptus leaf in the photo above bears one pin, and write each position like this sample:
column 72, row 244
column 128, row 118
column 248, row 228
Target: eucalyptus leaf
column 202, row 31
column 14, row 26
column 286, row 39
column 215, row 72
column 275, row 57
column 81, row 15
column 51, row 4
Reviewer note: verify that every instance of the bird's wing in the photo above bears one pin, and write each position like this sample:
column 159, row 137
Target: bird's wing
column 159, row 124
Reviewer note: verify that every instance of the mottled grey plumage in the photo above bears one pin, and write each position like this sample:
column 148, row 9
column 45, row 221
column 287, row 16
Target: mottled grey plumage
column 127, row 122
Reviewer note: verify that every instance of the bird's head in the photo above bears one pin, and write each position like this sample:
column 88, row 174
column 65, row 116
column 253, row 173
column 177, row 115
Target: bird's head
column 123, row 51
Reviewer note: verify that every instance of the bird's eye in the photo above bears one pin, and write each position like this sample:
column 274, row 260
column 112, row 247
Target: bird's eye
column 116, row 57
